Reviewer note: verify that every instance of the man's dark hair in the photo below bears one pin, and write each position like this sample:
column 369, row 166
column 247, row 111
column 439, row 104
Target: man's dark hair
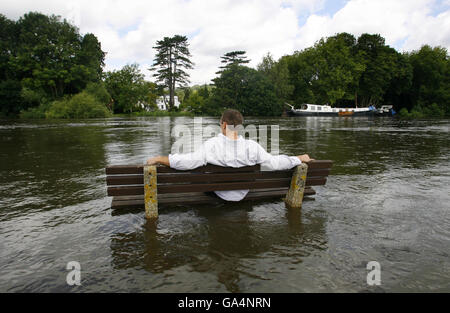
column 232, row 117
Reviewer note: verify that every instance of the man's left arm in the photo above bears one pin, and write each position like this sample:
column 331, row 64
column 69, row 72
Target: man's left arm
column 279, row 162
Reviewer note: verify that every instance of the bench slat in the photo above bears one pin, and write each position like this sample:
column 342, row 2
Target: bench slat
column 220, row 177
column 258, row 184
column 129, row 202
column 190, row 195
column 196, row 178
column 138, row 169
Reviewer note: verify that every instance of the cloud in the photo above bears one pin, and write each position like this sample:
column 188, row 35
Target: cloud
column 128, row 30
column 406, row 24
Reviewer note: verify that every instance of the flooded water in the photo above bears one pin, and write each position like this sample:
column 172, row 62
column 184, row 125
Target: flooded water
column 387, row 200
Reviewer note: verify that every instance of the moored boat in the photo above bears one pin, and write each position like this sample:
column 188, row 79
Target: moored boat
column 326, row 110
column 386, row 110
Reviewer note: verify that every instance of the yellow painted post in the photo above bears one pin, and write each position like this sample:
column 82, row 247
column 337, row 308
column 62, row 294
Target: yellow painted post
column 151, row 192
column 294, row 197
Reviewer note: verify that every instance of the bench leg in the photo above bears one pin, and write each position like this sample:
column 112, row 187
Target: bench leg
column 151, row 192
column 294, row 197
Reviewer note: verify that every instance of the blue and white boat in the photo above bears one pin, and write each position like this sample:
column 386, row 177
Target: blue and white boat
column 326, row 110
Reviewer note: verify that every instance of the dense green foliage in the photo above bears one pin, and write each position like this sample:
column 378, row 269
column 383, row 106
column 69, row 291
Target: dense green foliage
column 237, row 87
column 278, row 75
column 340, row 71
column 345, row 71
column 90, row 103
column 244, row 89
column 431, row 81
column 49, row 70
column 82, row 105
column 129, row 90
column 195, row 104
column 197, row 99
column 43, row 58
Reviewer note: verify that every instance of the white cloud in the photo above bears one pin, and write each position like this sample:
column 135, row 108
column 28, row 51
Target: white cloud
column 406, row 24
column 129, row 29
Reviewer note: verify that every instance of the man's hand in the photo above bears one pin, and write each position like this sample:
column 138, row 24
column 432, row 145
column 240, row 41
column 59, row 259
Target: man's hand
column 305, row 158
column 158, row 160
column 153, row 161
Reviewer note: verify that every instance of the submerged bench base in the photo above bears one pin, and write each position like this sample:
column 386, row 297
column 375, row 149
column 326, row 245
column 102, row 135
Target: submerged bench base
column 137, row 201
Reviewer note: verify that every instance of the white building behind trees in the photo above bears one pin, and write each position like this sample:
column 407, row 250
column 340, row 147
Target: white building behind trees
column 163, row 101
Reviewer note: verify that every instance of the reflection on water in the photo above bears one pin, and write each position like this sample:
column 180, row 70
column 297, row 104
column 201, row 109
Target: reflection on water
column 386, row 200
column 222, row 242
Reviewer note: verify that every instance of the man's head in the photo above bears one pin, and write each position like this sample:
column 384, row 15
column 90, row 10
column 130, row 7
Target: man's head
column 232, row 118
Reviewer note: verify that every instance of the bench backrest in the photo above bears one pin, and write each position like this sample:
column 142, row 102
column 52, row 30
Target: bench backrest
column 128, row 180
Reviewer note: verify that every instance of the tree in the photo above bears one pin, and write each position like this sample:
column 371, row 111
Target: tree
column 301, row 75
column 382, row 65
column 329, row 72
column 232, row 66
column 195, row 103
column 151, row 95
column 50, row 55
column 99, row 92
column 10, row 87
column 92, row 56
column 336, row 70
column 171, row 59
column 128, row 89
column 47, row 58
column 10, row 97
column 431, row 82
column 233, row 58
column 245, row 89
column 204, row 92
column 7, row 46
column 397, row 94
column 278, row 74
column 186, row 93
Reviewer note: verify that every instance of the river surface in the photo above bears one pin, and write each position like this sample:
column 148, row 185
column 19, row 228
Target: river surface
column 387, row 200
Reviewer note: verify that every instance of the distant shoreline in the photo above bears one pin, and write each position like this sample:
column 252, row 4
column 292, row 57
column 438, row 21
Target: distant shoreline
column 154, row 113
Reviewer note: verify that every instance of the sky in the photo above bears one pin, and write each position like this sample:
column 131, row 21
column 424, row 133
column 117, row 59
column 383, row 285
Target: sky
column 128, row 29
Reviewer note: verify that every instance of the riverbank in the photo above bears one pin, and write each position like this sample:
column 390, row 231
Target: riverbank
column 42, row 113
column 155, row 113
column 70, row 110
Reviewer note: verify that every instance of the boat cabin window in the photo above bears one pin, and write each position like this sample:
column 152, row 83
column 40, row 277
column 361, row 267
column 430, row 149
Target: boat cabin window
column 304, row 107
column 313, row 108
column 319, row 108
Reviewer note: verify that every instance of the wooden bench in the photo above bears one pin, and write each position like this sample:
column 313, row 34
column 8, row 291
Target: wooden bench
column 136, row 186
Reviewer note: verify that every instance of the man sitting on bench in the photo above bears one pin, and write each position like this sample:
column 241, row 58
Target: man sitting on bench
column 230, row 150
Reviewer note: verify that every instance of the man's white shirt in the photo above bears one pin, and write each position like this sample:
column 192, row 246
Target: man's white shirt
column 223, row 151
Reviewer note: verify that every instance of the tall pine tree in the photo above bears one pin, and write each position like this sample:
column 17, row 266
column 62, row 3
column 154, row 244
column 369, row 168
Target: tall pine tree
column 233, row 58
column 171, row 61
